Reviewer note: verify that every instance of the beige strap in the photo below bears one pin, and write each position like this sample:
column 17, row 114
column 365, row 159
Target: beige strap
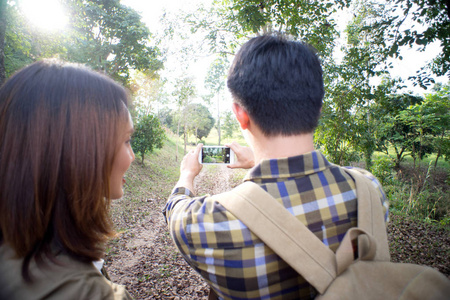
column 344, row 254
column 282, row 232
column 370, row 216
column 286, row 235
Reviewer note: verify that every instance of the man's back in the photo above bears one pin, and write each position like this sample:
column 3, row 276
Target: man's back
column 277, row 89
column 235, row 262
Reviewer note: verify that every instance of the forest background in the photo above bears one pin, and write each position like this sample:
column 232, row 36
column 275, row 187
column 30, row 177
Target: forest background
column 369, row 118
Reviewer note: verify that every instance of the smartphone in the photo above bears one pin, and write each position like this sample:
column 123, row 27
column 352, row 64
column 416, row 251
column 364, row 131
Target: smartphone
column 216, row 155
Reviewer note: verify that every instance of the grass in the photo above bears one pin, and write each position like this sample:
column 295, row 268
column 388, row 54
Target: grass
column 419, row 191
column 146, row 192
column 411, row 193
column 430, row 158
column 213, row 138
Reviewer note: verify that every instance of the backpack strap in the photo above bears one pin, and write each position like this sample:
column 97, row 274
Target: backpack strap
column 370, row 217
column 282, row 232
column 286, row 235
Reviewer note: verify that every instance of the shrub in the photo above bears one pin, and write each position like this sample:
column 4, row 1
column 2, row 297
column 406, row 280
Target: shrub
column 148, row 135
column 382, row 169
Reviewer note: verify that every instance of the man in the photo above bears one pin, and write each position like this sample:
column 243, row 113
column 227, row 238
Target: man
column 277, row 90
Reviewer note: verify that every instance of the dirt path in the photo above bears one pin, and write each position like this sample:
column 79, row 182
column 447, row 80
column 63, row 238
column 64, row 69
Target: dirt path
column 144, row 259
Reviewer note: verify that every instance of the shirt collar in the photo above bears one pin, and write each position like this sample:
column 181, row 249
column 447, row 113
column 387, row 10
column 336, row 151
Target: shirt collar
column 294, row 166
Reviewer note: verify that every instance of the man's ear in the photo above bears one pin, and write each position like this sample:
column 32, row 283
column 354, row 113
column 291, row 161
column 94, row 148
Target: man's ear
column 241, row 115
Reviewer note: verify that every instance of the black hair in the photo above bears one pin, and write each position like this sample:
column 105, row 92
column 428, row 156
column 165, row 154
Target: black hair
column 279, row 83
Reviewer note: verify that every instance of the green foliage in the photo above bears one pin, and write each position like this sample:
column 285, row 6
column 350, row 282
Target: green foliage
column 167, row 118
column 430, row 22
column 335, row 131
column 392, row 132
column 417, row 195
column 17, row 47
column 347, row 122
column 229, row 22
column 215, row 83
column 429, row 204
column 438, row 104
column 309, row 20
column 148, row 135
column 215, row 78
column 184, row 93
column 24, row 43
column 111, row 37
column 230, row 124
column 383, row 170
column 199, row 120
column 104, row 34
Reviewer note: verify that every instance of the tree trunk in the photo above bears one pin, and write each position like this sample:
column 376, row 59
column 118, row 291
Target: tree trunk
column 218, row 116
column 177, row 138
column 184, row 134
column 439, row 150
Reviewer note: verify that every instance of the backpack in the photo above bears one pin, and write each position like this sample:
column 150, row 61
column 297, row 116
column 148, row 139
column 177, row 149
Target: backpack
column 337, row 275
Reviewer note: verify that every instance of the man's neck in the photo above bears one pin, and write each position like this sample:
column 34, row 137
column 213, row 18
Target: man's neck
column 281, row 146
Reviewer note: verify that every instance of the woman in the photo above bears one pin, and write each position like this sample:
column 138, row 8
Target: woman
column 64, row 149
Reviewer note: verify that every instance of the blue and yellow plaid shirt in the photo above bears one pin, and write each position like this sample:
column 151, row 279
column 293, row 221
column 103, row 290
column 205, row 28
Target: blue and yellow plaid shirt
column 235, row 262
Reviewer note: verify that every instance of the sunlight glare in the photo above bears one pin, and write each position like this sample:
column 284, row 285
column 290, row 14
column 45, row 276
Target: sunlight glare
column 46, row 14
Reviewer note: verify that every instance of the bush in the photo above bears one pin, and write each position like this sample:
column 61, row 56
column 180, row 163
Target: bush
column 148, row 135
column 382, row 169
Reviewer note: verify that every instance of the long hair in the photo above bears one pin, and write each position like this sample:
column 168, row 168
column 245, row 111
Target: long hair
column 58, row 124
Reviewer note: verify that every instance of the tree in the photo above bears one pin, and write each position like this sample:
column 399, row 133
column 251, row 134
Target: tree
column 111, row 37
column 184, row 92
column 428, row 21
column 147, row 91
column 199, row 120
column 167, row 118
column 215, row 82
column 230, row 125
column 23, row 42
column 418, row 119
column 148, row 135
column 440, row 106
column 345, row 126
column 2, row 40
column 391, row 131
column 105, row 35
column 429, row 121
column 228, row 22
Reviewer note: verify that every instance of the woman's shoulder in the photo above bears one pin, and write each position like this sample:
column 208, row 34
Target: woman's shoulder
column 65, row 278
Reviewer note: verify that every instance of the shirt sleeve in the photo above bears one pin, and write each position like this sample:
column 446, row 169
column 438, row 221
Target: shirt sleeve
column 178, row 196
column 184, row 213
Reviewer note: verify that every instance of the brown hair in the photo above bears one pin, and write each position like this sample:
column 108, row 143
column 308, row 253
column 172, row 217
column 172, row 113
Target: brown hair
column 58, row 124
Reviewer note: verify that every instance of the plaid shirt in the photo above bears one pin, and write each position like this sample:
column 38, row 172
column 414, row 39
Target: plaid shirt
column 235, row 262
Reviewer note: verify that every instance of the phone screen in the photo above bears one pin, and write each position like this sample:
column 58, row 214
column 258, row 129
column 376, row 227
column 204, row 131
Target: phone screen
column 215, row 155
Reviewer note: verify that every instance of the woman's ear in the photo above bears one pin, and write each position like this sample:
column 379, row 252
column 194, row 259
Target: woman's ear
column 241, row 115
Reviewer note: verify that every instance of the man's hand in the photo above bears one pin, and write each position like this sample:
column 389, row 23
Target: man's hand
column 244, row 156
column 190, row 167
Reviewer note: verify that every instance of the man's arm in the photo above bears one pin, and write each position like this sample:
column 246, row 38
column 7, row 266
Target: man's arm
column 244, row 156
column 189, row 169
